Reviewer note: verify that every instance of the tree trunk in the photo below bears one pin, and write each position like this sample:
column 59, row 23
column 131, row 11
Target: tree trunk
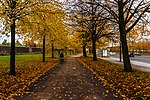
column 122, row 29
column 52, row 50
column 84, row 51
column 44, row 48
column 94, row 50
column 120, row 52
column 126, row 60
column 12, row 53
column 90, row 50
column 66, row 52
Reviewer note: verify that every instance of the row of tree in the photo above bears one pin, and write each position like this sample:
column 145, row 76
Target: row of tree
column 40, row 20
column 92, row 20
column 95, row 19
column 142, row 47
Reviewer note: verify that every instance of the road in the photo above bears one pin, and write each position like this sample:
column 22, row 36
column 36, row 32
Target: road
column 139, row 62
column 136, row 58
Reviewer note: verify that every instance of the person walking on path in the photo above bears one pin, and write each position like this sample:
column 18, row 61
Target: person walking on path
column 69, row 80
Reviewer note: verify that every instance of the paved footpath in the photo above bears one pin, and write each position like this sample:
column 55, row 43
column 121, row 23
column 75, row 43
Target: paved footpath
column 69, row 80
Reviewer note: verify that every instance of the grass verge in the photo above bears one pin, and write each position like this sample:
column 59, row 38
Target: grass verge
column 28, row 69
column 131, row 85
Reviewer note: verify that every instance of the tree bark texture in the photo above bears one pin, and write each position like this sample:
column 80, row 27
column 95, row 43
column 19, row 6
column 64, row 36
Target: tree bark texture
column 122, row 29
column 44, row 48
column 94, row 49
column 126, row 60
column 84, row 51
column 52, row 50
column 12, row 53
column 120, row 52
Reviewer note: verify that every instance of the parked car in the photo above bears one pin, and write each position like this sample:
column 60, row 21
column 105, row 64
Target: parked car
column 136, row 53
column 112, row 53
column 131, row 54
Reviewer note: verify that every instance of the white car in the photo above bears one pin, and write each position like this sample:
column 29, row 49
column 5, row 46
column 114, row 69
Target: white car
column 112, row 53
column 136, row 53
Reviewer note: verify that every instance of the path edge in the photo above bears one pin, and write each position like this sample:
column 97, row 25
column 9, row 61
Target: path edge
column 10, row 97
column 102, row 79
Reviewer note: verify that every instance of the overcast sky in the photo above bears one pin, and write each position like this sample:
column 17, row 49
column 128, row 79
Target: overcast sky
column 2, row 37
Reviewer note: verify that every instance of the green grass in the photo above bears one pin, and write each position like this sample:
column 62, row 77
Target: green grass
column 5, row 60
